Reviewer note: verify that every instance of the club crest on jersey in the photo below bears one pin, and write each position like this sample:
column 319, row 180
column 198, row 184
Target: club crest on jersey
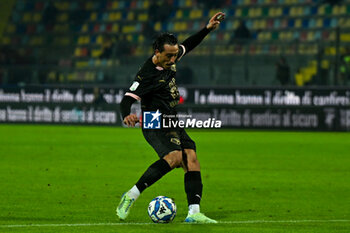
column 134, row 86
column 173, row 67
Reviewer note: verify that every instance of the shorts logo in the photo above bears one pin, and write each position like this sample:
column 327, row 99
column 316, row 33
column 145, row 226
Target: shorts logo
column 175, row 141
column 151, row 120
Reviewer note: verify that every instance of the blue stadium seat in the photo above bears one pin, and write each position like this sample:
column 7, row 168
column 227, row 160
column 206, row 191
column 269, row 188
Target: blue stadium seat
column 291, row 23
column 326, row 22
column 285, row 11
column 305, row 23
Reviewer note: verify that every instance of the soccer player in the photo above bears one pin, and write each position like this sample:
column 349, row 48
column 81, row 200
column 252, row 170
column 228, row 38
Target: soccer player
column 155, row 86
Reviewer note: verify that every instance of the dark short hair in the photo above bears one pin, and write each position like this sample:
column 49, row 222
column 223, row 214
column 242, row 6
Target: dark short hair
column 162, row 39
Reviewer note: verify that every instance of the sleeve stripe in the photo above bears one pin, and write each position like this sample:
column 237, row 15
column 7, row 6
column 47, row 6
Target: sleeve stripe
column 133, row 96
column 183, row 53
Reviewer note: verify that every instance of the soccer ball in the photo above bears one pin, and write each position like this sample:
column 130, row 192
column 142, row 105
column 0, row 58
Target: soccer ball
column 162, row 209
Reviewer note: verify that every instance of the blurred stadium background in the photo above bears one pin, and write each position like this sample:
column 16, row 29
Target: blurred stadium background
column 69, row 62
column 292, row 60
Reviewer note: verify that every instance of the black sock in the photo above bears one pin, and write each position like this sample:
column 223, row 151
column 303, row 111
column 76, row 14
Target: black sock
column 193, row 187
column 152, row 174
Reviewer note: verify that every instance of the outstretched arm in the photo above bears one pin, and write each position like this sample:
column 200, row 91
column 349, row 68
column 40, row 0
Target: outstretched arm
column 194, row 40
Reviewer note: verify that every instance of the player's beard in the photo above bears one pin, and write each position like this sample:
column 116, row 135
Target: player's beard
column 168, row 65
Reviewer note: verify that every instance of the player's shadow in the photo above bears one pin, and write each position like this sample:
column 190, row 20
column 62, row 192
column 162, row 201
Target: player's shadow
column 14, row 218
column 228, row 213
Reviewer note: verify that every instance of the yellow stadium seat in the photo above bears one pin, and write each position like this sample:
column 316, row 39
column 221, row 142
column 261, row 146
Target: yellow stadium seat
column 97, row 62
column 256, row 24
column 179, row 14
column 188, row 3
column 131, row 15
column 214, row 11
column 6, row 40
column 297, row 23
column 114, row 16
column 262, row 24
column 27, row 17
column 81, row 40
column 115, row 5
column 72, row 76
column 300, row 11
column 51, row 76
column 63, row 17
column 279, row 11
column 342, row 10
column 299, row 79
column 158, row 26
column 11, row 28
column 81, row 64
column 65, row 41
column 139, row 50
column 93, row 16
column 142, row 17
column 258, row 12
column 89, row 5
column 115, row 27
column 195, row 14
column 37, row 40
column 251, row 12
column 321, row 10
column 77, row 52
column 146, row 4
column 235, row 23
column 272, row 12
column 90, row 76
column 85, row 28
column 310, row 36
column 261, row 36
column 319, row 23
column 177, row 26
column 227, row 36
column 61, row 77
column 141, row 39
column 238, row 12
column 37, row 17
column 65, row 5
column 96, row 53
column 129, row 29
column 345, row 37
column 325, row 64
column 293, row 11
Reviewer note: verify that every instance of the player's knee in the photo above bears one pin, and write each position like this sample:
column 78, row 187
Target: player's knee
column 174, row 158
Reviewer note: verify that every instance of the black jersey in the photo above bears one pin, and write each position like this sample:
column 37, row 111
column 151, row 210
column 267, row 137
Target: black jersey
column 156, row 87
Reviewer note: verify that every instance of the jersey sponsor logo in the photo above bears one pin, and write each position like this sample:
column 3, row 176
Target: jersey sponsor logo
column 152, row 120
column 134, row 86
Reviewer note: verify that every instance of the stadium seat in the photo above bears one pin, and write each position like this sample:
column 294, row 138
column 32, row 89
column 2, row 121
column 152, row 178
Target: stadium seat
column 11, row 28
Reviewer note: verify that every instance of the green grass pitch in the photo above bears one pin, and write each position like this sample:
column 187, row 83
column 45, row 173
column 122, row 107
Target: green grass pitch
column 70, row 179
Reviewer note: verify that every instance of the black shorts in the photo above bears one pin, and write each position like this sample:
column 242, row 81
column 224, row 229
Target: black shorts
column 165, row 141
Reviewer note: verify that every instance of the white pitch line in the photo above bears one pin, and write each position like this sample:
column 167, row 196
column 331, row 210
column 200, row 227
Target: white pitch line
column 144, row 223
